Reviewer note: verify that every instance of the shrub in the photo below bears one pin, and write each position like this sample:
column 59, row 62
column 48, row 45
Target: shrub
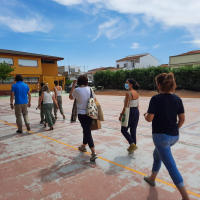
column 68, row 82
column 186, row 77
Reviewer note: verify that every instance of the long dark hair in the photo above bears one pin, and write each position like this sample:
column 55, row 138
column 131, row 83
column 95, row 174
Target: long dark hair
column 134, row 83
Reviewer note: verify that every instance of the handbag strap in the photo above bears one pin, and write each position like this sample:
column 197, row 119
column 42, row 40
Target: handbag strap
column 91, row 94
column 128, row 105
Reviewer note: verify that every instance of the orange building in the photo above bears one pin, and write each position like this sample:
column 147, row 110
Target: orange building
column 33, row 67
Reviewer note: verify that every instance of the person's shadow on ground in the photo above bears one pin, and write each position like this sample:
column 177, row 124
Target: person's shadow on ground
column 58, row 170
column 153, row 194
column 122, row 160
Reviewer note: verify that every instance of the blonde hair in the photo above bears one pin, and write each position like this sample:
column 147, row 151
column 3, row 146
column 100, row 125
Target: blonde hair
column 45, row 88
column 166, row 81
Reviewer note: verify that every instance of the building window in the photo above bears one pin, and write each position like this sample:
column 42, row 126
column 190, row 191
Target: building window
column 48, row 61
column 9, row 61
column 72, row 70
column 124, row 64
column 31, row 80
column 133, row 65
column 10, row 81
column 117, row 66
column 27, row 63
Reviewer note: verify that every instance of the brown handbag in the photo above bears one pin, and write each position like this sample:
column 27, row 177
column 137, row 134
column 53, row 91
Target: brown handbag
column 95, row 125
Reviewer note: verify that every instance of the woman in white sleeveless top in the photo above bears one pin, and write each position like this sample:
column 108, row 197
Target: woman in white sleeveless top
column 58, row 97
column 48, row 98
column 133, row 96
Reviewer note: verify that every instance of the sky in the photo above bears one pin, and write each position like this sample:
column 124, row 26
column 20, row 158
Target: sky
column 96, row 33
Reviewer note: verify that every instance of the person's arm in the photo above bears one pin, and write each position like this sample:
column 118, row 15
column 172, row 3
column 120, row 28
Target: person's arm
column 125, row 105
column 72, row 90
column 151, row 110
column 53, row 97
column 149, row 117
column 181, row 119
column 55, row 93
column 11, row 100
column 41, row 98
column 29, row 99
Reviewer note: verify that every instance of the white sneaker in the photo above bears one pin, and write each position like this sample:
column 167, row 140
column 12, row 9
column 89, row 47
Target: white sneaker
column 93, row 157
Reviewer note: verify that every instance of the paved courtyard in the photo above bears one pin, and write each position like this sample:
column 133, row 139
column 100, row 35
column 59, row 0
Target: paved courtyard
column 46, row 165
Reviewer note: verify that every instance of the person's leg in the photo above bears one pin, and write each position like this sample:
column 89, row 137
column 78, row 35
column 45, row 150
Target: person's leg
column 18, row 112
column 134, row 123
column 41, row 114
column 124, row 131
column 48, row 114
column 163, row 145
column 87, row 136
column 55, row 110
column 60, row 105
column 51, row 113
column 156, row 165
column 25, row 116
column 45, row 113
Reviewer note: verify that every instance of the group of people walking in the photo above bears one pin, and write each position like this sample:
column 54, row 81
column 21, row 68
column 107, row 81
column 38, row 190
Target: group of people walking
column 163, row 111
column 47, row 100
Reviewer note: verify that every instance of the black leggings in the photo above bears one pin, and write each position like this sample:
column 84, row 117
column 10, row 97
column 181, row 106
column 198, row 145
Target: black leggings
column 87, row 135
column 133, row 122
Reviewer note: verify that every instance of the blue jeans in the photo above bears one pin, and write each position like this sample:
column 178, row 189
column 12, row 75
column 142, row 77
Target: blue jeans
column 132, row 124
column 162, row 153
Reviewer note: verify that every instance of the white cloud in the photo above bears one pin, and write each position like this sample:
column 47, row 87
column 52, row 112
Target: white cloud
column 26, row 25
column 156, row 46
column 68, row 2
column 111, row 28
column 135, row 46
column 170, row 13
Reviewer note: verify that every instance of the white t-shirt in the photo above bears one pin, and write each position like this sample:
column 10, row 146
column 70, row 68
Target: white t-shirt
column 82, row 95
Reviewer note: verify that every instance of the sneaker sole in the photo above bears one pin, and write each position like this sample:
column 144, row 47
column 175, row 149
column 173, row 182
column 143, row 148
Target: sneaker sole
column 130, row 152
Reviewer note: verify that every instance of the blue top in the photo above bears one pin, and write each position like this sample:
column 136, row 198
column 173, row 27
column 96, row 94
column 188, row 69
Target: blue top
column 21, row 90
column 165, row 108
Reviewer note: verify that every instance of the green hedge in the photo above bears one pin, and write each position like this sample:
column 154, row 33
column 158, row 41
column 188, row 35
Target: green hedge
column 187, row 77
column 68, row 82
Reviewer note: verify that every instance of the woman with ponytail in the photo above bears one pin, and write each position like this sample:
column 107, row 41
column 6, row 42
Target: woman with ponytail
column 163, row 111
column 132, row 98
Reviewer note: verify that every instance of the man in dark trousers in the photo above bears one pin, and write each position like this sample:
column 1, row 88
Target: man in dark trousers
column 41, row 108
column 20, row 90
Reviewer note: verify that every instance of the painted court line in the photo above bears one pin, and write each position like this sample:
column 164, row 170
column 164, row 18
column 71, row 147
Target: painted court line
column 128, row 168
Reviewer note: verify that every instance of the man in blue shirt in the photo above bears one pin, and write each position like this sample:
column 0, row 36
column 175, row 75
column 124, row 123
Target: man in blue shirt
column 20, row 90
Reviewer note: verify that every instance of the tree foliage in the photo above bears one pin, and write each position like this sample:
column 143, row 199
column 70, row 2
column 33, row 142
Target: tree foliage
column 5, row 71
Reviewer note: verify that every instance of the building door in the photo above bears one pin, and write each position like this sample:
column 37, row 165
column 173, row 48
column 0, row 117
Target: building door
column 61, row 83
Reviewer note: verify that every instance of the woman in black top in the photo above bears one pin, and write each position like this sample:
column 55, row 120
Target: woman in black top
column 163, row 111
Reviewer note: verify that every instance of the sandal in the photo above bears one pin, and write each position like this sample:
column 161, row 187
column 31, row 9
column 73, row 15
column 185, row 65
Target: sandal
column 51, row 129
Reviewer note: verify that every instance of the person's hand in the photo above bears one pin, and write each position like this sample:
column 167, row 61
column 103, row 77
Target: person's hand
column 29, row 104
column 120, row 118
column 57, row 106
column 74, row 82
column 12, row 107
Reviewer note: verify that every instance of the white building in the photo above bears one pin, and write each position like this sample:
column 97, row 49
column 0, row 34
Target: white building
column 138, row 61
column 73, row 72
